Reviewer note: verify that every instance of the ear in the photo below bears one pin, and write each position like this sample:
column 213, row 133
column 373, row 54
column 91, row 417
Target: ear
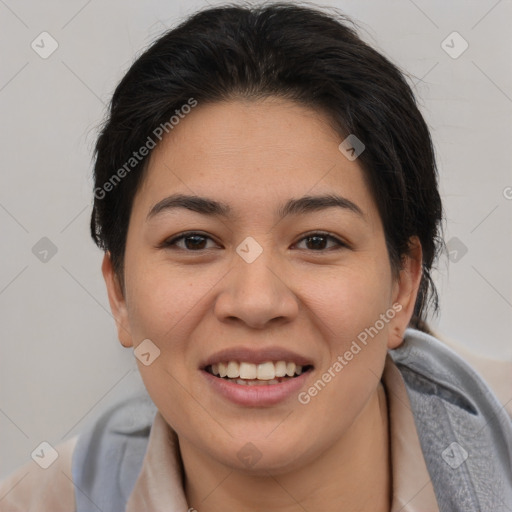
column 405, row 291
column 117, row 301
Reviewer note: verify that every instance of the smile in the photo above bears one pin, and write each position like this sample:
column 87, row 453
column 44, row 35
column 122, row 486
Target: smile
column 267, row 373
column 256, row 385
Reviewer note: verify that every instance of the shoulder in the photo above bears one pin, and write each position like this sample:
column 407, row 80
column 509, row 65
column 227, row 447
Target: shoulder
column 437, row 361
column 102, row 463
column 109, row 455
column 33, row 489
column 496, row 373
column 464, row 431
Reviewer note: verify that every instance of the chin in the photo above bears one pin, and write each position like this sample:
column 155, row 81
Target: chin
column 260, row 455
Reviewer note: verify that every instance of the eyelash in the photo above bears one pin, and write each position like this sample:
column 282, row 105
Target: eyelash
column 172, row 242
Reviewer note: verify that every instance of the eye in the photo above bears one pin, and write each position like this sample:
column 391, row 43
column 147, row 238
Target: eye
column 193, row 241
column 190, row 241
column 318, row 241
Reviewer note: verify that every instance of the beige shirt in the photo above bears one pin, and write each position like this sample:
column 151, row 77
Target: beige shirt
column 159, row 486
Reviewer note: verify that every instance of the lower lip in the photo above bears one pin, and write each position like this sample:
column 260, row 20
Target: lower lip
column 258, row 395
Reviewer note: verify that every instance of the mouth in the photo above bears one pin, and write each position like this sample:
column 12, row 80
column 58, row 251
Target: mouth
column 267, row 373
column 256, row 378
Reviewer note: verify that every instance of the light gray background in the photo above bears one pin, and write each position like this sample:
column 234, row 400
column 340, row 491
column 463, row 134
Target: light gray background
column 61, row 363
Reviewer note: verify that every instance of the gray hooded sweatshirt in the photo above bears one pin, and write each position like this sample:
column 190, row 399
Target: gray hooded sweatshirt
column 464, row 432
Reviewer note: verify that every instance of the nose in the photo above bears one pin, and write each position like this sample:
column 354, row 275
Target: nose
column 256, row 294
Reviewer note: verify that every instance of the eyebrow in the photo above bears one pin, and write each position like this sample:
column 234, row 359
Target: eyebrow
column 211, row 207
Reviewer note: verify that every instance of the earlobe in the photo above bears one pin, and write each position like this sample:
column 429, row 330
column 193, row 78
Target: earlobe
column 395, row 338
column 117, row 301
column 406, row 291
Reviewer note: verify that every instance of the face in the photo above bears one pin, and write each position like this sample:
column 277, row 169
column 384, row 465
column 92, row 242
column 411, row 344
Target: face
column 257, row 273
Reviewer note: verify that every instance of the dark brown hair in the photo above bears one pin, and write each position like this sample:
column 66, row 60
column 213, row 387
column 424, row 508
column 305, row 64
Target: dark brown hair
column 305, row 54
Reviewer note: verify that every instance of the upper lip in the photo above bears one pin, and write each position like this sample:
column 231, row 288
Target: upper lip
column 255, row 356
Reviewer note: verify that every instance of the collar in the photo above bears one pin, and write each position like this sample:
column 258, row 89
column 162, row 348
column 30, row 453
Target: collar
column 412, row 487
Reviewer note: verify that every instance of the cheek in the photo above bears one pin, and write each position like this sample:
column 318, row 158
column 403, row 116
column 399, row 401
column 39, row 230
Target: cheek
column 171, row 394
column 163, row 300
column 165, row 307
column 348, row 307
column 348, row 300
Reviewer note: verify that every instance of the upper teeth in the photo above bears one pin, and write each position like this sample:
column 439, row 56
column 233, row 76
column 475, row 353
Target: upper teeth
column 263, row 371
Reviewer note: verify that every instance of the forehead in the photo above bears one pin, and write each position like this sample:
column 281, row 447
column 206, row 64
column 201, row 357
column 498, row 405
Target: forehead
column 249, row 153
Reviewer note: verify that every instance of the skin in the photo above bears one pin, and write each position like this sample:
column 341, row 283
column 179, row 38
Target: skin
column 254, row 156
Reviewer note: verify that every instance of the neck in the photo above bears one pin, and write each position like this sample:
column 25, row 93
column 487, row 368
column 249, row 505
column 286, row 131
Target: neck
column 353, row 474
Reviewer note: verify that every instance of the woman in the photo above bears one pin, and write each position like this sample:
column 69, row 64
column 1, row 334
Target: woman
column 266, row 196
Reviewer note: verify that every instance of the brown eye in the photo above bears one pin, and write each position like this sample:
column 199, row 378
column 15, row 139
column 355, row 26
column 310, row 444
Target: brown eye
column 189, row 242
column 319, row 241
column 195, row 242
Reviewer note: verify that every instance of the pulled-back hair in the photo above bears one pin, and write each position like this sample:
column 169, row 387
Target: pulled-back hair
column 311, row 56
